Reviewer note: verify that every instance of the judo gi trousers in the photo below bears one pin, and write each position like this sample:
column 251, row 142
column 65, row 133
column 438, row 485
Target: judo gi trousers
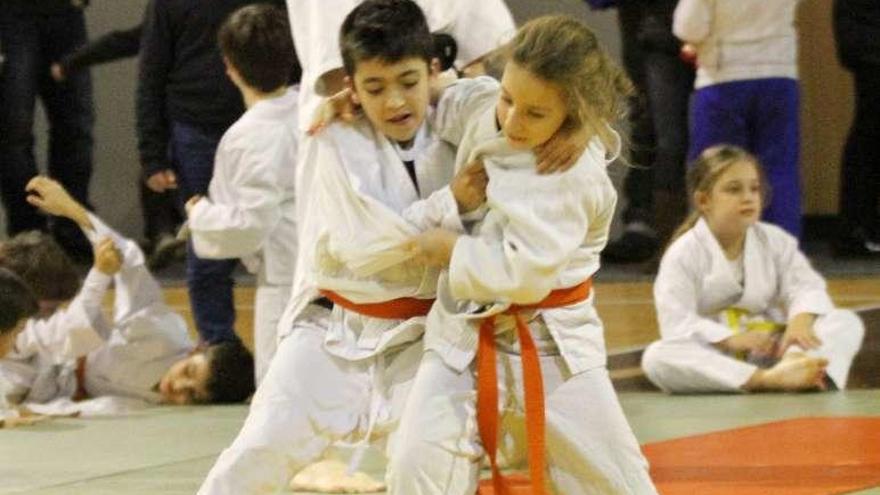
column 687, row 366
column 309, row 400
column 590, row 446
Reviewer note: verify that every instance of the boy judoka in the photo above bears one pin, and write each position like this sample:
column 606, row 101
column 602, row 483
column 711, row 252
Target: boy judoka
column 143, row 354
column 249, row 212
column 343, row 375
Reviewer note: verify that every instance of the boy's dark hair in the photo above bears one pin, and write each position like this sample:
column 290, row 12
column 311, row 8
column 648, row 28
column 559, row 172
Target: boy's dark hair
column 256, row 40
column 16, row 300
column 388, row 30
column 231, row 376
column 42, row 264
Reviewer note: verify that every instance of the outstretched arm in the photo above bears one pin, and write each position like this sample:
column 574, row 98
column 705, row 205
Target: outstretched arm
column 51, row 197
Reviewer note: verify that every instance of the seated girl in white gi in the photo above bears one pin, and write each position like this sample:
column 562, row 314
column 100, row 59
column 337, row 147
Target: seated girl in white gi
column 519, row 279
column 740, row 308
column 72, row 351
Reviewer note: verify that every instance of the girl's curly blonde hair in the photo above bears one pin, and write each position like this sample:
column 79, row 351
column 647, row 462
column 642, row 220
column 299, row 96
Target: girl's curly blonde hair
column 566, row 53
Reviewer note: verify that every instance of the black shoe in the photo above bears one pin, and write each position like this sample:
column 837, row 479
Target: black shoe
column 855, row 245
column 637, row 244
column 166, row 249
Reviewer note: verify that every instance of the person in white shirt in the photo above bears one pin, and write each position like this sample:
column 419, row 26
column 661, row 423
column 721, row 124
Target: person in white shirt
column 249, row 212
column 73, row 350
column 739, row 306
column 519, row 279
column 746, row 89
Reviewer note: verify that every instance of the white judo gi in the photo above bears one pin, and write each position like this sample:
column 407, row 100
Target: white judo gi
column 341, row 376
column 540, row 233
column 250, row 210
column 695, row 287
column 477, row 26
column 126, row 355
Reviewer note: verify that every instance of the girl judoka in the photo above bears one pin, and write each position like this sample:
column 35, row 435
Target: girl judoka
column 740, row 307
column 530, row 257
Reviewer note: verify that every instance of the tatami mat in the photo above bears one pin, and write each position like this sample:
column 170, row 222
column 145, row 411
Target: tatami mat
column 167, row 451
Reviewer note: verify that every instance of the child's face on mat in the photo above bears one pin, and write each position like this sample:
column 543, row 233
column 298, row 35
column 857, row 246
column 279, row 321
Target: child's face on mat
column 734, row 202
column 393, row 95
column 530, row 109
column 185, row 381
column 7, row 339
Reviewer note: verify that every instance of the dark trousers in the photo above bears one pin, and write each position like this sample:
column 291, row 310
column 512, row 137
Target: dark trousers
column 760, row 115
column 658, row 119
column 860, row 189
column 31, row 43
column 209, row 282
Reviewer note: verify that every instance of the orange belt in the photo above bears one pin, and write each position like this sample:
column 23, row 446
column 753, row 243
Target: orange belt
column 395, row 309
column 80, row 393
column 487, row 393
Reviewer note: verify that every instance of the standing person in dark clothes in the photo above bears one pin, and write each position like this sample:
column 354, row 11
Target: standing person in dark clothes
column 160, row 213
column 34, row 33
column 654, row 187
column 857, row 31
column 185, row 103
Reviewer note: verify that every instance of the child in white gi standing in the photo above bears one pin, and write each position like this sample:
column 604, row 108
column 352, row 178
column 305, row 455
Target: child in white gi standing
column 343, row 375
column 520, row 280
column 740, row 308
column 249, row 212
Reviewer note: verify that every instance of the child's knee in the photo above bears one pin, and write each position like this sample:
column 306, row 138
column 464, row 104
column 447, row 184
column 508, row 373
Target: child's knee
column 842, row 325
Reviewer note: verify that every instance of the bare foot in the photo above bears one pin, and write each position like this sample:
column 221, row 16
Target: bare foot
column 795, row 372
column 331, row 476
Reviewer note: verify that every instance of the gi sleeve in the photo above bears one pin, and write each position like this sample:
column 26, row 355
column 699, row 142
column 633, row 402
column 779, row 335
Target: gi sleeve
column 240, row 227
column 438, row 210
column 540, row 232
column 676, row 296
column 460, row 103
column 72, row 331
column 801, row 288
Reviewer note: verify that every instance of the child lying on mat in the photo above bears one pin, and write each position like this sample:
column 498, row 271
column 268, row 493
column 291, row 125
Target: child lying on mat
column 70, row 350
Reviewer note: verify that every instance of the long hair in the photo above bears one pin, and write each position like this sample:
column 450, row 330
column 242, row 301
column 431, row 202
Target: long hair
column 565, row 52
column 704, row 173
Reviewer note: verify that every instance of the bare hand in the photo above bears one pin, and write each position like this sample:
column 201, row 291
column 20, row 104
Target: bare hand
column 688, row 54
column 799, row 332
column 191, row 203
column 19, row 421
column 162, row 181
column 340, row 106
column 562, row 151
column 108, row 259
column 57, row 72
column 469, row 186
column 50, row 197
column 752, row 341
column 434, row 247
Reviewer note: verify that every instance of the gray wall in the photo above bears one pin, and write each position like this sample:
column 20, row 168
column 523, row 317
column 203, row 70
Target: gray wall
column 114, row 184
